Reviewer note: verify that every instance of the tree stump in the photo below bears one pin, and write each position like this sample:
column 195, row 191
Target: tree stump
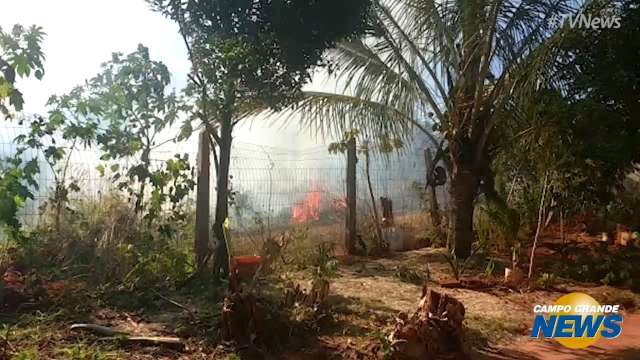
column 315, row 297
column 433, row 331
column 242, row 319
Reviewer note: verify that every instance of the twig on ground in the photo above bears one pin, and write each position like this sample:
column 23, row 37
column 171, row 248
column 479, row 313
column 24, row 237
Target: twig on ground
column 191, row 312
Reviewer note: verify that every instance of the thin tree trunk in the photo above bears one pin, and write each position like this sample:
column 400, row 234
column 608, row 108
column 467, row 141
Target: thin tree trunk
column 201, row 243
column 540, row 218
column 434, row 211
column 351, row 227
column 378, row 225
column 146, row 162
column 221, row 259
column 562, row 225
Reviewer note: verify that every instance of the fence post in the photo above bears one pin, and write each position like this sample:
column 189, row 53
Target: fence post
column 201, row 238
column 351, row 228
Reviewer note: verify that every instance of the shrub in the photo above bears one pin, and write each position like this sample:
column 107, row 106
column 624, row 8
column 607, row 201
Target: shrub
column 103, row 241
column 608, row 268
column 546, row 281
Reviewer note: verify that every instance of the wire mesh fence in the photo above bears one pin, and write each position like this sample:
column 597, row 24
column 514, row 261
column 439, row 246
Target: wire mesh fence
column 281, row 184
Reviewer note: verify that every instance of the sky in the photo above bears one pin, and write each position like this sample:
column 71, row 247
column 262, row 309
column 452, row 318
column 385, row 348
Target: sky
column 82, row 34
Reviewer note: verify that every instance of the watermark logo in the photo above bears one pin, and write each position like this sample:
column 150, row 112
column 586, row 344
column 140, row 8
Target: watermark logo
column 576, row 321
column 586, row 21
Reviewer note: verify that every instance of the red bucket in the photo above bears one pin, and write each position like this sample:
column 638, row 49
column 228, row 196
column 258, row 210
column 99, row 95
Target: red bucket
column 244, row 267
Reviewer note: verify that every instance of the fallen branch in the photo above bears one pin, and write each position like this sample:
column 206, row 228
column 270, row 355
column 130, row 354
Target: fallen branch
column 98, row 329
column 124, row 337
column 168, row 342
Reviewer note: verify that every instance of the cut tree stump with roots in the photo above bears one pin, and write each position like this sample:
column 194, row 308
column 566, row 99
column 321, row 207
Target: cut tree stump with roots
column 434, row 331
column 243, row 319
column 315, row 297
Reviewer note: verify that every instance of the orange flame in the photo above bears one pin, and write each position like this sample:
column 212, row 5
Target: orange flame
column 309, row 209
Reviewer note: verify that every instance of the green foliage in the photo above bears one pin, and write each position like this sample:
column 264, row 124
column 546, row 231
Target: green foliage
column 253, row 55
column 489, row 268
column 609, row 268
column 409, row 275
column 20, row 54
column 123, row 110
column 384, row 143
column 547, row 281
column 171, row 185
column 387, row 348
column 28, row 354
column 496, row 226
column 459, row 266
column 155, row 267
column 84, row 352
column 16, row 178
column 435, row 63
column 324, row 262
column 286, row 38
column 131, row 92
column 43, row 138
column 625, row 208
column 585, row 135
column 341, row 146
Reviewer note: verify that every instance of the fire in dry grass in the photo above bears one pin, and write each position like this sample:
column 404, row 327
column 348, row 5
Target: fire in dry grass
column 308, row 209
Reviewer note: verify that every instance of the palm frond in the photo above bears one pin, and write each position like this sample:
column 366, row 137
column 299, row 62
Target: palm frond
column 331, row 115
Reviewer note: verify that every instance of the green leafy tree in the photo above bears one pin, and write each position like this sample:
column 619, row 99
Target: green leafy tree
column 585, row 136
column 134, row 107
column 457, row 65
column 251, row 55
column 54, row 139
column 20, row 56
column 171, row 185
column 123, row 110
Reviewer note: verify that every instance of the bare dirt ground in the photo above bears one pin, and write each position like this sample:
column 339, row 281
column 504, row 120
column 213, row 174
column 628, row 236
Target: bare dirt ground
column 365, row 298
column 498, row 321
column 625, row 347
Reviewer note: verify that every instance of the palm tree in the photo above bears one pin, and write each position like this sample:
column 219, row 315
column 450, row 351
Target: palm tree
column 458, row 65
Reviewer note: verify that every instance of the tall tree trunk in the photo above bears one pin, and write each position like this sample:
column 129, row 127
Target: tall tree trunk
column 462, row 190
column 351, row 219
column 465, row 131
column 201, row 238
column 221, row 259
column 378, row 224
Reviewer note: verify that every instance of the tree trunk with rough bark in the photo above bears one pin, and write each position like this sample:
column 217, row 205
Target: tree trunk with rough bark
column 462, row 190
column 201, row 243
column 221, row 258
